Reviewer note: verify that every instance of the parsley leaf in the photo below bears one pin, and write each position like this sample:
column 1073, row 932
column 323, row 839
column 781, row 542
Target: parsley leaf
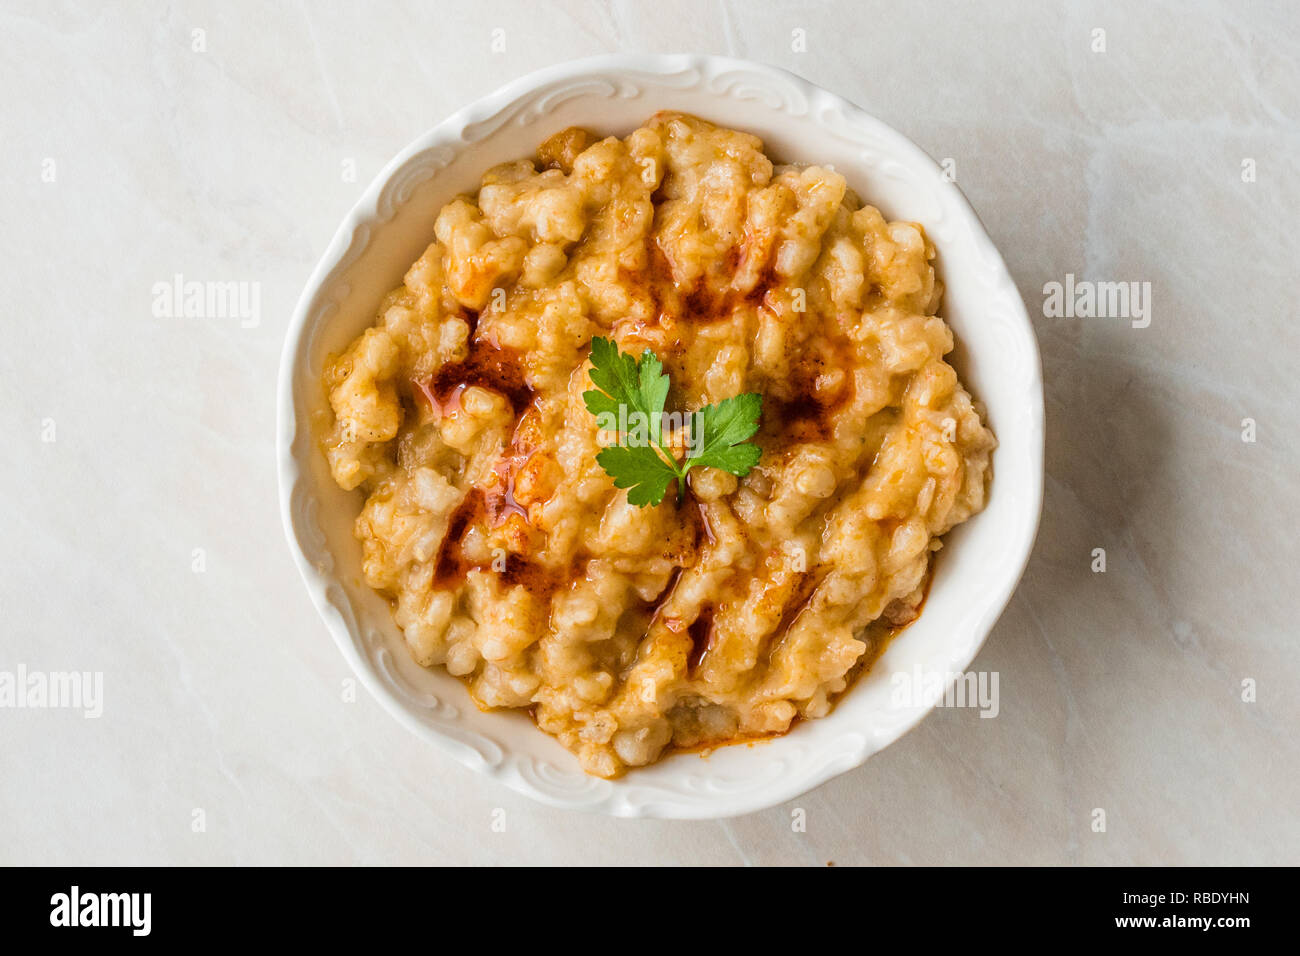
column 721, row 428
column 640, row 470
column 629, row 399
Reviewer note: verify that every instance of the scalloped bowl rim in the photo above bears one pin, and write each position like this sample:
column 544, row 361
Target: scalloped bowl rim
column 687, row 789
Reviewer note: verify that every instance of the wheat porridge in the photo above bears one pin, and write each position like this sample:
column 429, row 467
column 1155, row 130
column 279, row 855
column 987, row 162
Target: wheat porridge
column 647, row 582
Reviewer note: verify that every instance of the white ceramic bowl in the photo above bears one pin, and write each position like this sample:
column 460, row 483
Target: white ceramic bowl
column 799, row 122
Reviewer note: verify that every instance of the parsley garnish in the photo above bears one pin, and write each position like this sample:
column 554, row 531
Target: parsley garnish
column 629, row 399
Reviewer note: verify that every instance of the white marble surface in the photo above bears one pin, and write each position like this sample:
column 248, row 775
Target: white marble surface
column 223, row 693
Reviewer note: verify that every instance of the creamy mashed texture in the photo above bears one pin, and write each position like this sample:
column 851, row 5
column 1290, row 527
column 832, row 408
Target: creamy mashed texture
column 509, row 556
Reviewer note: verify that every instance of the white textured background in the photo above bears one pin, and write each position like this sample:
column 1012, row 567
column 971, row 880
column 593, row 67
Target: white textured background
column 223, row 691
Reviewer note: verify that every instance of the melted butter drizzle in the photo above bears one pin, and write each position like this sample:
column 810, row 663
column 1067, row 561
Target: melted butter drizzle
column 499, row 369
column 487, row 365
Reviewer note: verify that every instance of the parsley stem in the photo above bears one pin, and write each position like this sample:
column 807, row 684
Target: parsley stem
column 680, row 472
